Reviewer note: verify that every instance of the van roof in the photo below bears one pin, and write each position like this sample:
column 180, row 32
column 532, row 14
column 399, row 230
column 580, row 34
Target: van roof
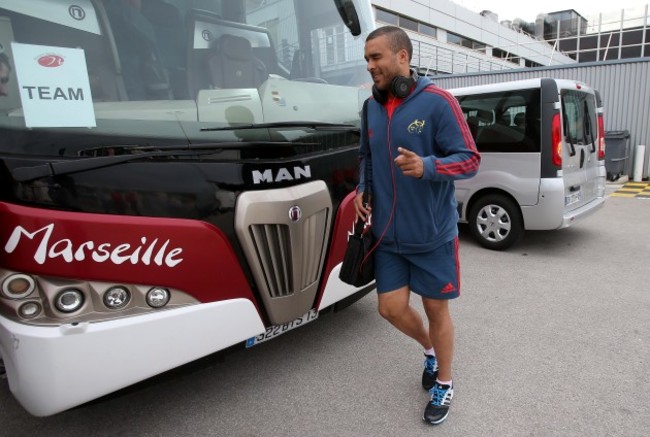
column 521, row 84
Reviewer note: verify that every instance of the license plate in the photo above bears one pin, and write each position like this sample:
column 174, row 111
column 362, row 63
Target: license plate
column 573, row 198
column 275, row 330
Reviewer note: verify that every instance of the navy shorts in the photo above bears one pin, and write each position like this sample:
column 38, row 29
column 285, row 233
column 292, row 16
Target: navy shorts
column 435, row 274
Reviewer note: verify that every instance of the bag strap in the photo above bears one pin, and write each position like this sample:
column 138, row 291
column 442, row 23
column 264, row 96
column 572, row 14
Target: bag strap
column 367, row 169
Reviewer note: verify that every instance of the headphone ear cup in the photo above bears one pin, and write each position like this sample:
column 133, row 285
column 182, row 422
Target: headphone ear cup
column 378, row 95
column 401, row 86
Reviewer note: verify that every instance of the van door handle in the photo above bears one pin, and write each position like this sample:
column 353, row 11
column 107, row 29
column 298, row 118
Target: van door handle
column 574, row 188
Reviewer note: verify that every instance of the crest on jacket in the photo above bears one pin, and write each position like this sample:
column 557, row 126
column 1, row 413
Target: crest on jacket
column 416, row 126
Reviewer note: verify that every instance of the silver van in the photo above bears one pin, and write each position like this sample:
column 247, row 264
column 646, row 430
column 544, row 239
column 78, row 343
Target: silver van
column 543, row 158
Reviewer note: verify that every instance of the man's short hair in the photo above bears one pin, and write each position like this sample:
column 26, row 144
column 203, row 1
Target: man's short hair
column 397, row 39
column 4, row 59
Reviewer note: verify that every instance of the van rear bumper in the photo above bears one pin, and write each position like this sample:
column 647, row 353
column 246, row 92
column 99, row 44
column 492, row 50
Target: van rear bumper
column 550, row 212
column 584, row 211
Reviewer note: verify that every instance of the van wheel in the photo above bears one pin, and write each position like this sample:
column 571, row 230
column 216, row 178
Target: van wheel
column 495, row 222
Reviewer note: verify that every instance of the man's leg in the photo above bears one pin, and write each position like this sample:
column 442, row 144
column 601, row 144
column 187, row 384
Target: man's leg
column 441, row 331
column 441, row 334
column 394, row 306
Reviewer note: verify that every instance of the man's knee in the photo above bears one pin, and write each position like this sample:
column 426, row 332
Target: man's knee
column 392, row 305
column 436, row 308
column 390, row 312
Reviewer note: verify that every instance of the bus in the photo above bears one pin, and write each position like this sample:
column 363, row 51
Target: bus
column 177, row 180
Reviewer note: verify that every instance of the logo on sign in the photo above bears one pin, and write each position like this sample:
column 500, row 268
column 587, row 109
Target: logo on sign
column 281, row 174
column 77, row 12
column 51, row 61
column 295, row 213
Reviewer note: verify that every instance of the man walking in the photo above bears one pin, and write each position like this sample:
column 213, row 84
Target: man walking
column 418, row 143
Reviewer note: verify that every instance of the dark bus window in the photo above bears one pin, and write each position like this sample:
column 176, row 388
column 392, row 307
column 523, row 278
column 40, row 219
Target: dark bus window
column 101, row 67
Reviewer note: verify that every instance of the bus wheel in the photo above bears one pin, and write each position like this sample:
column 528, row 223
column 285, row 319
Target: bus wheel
column 495, row 222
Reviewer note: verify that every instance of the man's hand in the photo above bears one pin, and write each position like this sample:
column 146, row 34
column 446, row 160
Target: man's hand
column 361, row 210
column 410, row 163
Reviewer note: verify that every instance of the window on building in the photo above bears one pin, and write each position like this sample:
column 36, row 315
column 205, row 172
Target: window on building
column 329, row 45
column 407, row 23
column 532, row 64
column 386, row 17
column 454, row 39
column 479, row 47
column 428, row 30
column 465, row 42
column 340, row 44
column 502, row 54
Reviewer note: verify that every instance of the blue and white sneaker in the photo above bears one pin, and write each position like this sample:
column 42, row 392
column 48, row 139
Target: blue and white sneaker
column 437, row 408
column 430, row 371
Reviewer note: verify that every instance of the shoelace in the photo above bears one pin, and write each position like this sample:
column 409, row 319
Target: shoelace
column 439, row 395
column 430, row 365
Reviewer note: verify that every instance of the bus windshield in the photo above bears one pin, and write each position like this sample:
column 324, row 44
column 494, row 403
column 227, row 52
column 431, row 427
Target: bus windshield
column 126, row 68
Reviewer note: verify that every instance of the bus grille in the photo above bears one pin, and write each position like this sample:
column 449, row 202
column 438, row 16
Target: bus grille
column 285, row 253
column 290, row 266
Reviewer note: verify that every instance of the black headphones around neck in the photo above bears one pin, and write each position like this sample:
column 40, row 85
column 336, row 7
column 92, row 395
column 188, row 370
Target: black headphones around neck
column 400, row 87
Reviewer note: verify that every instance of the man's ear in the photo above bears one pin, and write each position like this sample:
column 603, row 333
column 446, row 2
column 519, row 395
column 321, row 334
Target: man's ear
column 403, row 56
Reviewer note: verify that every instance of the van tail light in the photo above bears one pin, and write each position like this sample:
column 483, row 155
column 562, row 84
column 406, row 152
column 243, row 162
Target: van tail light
column 556, row 141
column 601, row 137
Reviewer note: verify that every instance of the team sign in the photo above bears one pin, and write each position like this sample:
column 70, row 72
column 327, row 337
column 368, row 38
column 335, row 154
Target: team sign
column 54, row 86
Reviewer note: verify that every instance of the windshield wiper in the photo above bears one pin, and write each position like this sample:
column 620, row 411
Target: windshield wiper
column 589, row 133
column 60, row 168
column 565, row 119
column 315, row 125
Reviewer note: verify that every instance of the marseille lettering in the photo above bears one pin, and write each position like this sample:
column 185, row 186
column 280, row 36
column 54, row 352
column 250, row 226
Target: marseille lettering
column 147, row 252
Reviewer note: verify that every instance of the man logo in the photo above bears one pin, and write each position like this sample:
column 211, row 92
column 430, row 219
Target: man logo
column 416, row 126
column 295, row 213
column 281, row 174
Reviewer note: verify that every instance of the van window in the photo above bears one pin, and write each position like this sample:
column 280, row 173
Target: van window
column 504, row 121
column 579, row 117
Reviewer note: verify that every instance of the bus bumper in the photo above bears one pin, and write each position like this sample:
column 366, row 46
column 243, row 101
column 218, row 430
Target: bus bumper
column 51, row 369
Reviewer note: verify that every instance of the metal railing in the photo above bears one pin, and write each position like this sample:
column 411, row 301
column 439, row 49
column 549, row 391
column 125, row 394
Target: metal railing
column 434, row 59
column 609, row 39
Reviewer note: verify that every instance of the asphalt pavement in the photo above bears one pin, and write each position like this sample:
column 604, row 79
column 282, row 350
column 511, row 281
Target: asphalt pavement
column 552, row 339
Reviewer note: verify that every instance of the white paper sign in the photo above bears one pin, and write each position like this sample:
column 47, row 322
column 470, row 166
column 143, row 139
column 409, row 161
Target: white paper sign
column 54, row 86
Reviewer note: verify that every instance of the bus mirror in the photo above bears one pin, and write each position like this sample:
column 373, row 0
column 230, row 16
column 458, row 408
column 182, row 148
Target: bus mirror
column 348, row 13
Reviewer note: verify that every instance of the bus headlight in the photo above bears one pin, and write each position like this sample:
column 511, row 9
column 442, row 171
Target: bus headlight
column 29, row 310
column 69, row 300
column 157, row 297
column 18, row 286
column 116, row 297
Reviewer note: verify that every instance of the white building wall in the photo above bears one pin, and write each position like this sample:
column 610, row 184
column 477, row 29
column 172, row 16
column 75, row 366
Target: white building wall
column 448, row 16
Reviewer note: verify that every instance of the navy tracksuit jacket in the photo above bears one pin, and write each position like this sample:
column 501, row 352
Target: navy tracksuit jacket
column 412, row 215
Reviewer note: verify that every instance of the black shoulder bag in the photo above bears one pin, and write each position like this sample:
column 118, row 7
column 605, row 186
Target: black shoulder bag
column 358, row 266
